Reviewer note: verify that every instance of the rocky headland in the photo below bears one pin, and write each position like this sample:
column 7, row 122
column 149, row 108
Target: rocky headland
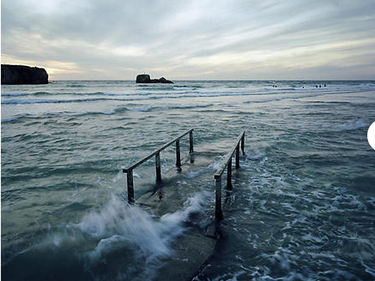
column 22, row 74
column 145, row 78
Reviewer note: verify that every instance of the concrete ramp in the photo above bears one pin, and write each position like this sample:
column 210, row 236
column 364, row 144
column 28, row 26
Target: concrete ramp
column 193, row 250
column 195, row 246
column 168, row 197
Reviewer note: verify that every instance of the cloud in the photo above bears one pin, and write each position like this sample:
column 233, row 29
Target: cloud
column 204, row 39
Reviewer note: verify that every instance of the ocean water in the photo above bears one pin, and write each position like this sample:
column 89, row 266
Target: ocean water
column 303, row 201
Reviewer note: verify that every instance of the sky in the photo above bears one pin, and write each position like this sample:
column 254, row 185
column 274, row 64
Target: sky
column 191, row 39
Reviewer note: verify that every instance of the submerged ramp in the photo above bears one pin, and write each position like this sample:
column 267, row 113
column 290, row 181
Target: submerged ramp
column 187, row 195
column 178, row 195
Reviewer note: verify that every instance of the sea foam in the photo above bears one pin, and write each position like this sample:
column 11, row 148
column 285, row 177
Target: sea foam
column 119, row 222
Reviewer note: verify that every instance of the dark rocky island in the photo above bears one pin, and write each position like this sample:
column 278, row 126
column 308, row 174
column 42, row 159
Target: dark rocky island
column 22, row 74
column 145, row 78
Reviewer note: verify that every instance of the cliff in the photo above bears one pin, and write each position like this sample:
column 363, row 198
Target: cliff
column 21, row 74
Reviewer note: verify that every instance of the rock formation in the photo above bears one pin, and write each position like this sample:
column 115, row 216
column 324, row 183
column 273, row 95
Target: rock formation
column 21, row 74
column 145, row 78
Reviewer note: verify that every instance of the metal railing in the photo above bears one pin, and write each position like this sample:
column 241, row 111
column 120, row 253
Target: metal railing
column 156, row 153
column 227, row 163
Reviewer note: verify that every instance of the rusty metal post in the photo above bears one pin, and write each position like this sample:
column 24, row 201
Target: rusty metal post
column 243, row 144
column 238, row 156
column 218, row 211
column 178, row 155
column 229, row 175
column 191, row 142
column 157, row 166
column 191, row 151
column 129, row 178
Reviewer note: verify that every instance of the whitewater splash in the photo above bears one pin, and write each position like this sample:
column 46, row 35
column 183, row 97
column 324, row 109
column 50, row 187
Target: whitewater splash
column 120, row 225
column 119, row 220
column 118, row 242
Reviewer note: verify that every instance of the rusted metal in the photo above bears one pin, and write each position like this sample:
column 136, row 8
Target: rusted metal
column 238, row 156
column 243, row 144
column 144, row 159
column 156, row 153
column 129, row 179
column 157, row 167
column 191, row 150
column 178, row 155
column 229, row 175
column 227, row 163
column 220, row 171
column 191, row 141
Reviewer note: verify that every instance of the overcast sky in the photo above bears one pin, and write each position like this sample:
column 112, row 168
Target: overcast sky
column 192, row 39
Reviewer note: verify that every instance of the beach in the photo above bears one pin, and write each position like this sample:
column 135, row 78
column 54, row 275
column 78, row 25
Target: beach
column 303, row 201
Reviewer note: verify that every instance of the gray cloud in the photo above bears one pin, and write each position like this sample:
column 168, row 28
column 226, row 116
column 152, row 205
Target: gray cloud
column 238, row 39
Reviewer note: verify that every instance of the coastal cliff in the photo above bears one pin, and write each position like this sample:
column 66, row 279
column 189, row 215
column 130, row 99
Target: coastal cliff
column 145, row 78
column 22, row 74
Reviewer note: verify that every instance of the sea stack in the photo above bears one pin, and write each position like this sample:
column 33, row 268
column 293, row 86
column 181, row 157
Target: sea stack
column 22, row 74
column 145, row 78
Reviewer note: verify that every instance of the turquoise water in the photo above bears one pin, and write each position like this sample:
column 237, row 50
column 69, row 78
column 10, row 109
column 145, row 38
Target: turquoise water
column 303, row 206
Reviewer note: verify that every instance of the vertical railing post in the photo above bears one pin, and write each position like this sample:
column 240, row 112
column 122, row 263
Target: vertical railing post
column 238, row 156
column 243, row 144
column 157, row 166
column 191, row 142
column 229, row 175
column 218, row 212
column 129, row 178
column 191, row 151
column 178, row 155
column 240, row 143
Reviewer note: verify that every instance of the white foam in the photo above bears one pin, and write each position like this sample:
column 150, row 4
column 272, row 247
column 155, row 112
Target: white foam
column 167, row 107
column 118, row 218
column 141, row 108
column 119, row 222
column 257, row 155
column 228, row 276
column 35, row 101
column 194, row 174
column 187, row 106
column 120, row 176
column 106, row 245
column 210, row 168
column 110, row 112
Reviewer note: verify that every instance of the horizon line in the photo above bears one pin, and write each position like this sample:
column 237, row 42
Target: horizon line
column 203, row 80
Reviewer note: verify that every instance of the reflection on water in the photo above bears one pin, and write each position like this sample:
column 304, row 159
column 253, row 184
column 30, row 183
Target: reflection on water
column 303, row 202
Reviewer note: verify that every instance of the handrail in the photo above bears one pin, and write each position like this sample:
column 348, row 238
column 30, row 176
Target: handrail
column 156, row 153
column 228, row 163
column 220, row 171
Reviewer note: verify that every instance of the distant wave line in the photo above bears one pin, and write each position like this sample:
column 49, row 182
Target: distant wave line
column 200, row 92
column 36, row 101
column 188, row 94
column 120, row 109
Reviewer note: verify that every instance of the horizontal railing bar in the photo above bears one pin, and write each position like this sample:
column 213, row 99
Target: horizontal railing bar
column 155, row 152
column 220, row 171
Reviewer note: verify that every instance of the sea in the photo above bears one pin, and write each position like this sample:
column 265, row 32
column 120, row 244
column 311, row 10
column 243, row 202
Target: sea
column 303, row 199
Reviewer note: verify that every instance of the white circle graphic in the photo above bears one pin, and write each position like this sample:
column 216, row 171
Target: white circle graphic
column 371, row 135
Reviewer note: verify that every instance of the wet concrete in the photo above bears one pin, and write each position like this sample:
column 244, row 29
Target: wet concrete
column 197, row 244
